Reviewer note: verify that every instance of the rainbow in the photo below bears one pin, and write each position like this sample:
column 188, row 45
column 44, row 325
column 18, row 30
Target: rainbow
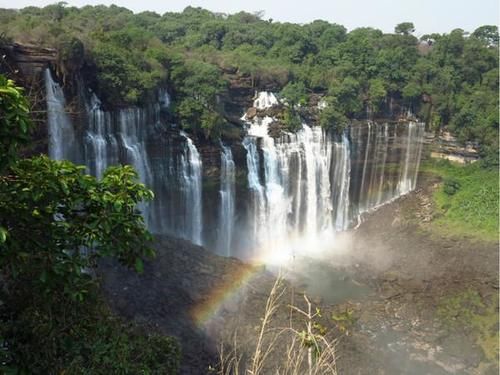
column 233, row 282
column 240, row 275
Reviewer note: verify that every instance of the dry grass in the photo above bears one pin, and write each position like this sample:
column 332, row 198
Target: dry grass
column 296, row 349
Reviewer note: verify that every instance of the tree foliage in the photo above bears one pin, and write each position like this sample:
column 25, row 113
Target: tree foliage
column 331, row 117
column 365, row 70
column 14, row 122
column 292, row 120
column 59, row 221
column 55, row 224
column 404, row 28
column 199, row 86
column 295, row 93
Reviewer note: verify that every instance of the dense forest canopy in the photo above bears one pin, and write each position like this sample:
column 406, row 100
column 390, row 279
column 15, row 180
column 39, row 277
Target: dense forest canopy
column 448, row 80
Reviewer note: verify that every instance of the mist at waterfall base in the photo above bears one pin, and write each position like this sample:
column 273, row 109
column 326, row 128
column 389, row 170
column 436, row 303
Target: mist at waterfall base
column 300, row 190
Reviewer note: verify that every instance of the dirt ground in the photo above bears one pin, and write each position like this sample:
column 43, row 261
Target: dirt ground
column 396, row 297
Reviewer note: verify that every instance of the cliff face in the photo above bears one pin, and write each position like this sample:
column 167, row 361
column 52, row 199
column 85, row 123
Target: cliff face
column 26, row 61
column 448, row 147
column 25, row 65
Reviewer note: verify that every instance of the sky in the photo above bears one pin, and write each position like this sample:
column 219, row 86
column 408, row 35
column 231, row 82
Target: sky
column 427, row 15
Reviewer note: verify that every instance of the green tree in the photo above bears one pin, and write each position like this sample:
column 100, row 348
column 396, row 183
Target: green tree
column 376, row 94
column 56, row 11
column 331, row 117
column 196, row 52
column 55, row 224
column 15, row 125
column 347, row 94
column 295, row 93
column 292, row 120
column 488, row 34
column 50, row 210
column 412, row 93
column 405, row 28
column 200, row 84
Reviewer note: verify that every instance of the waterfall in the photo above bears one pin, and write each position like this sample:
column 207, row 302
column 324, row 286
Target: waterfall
column 314, row 151
column 342, row 178
column 164, row 99
column 302, row 187
column 265, row 100
column 191, row 167
column 132, row 136
column 270, row 202
column 390, row 155
column 384, row 144
column 303, row 192
column 254, row 185
column 61, row 134
column 365, row 165
column 311, row 202
column 227, row 195
column 133, row 140
column 101, row 146
column 418, row 143
column 118, row 138
column 408, row 177
column 290, row 183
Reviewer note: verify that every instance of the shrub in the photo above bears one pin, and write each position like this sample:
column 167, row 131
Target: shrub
column 451, row 186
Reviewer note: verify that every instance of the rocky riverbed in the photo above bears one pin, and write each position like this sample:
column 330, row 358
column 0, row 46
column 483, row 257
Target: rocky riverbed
column 396, row 298
column 433, row 306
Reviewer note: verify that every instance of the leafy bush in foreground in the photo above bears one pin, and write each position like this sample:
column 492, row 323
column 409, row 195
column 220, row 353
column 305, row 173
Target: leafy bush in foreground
column 55, row 223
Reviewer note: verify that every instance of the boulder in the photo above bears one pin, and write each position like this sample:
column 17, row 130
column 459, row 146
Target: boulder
column 251, row 113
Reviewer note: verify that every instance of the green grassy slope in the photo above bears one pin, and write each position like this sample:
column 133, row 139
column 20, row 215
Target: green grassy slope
column 467, row 200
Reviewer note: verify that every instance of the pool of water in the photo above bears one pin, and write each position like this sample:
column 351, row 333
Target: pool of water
column 321, row 280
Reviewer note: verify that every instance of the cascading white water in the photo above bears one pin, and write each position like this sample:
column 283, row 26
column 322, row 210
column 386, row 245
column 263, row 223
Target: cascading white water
column 113, row 138
column 128, row 136
column 256, row 189
column 227, row 197
column 365, row 166
column 96, row 143
column 391, row 156
column 191, row 169
column 61, row 134
column 132, row 140
column 294, row 200
column 314, row 152
column 418, row 143
column 291, row 184
column 384, row 144
column 342, row 180
column 407, row 180
column 265, row 99
column 311, row 201
column 302, row 184
column 164, row 99
column 130, row 121
column 269, row 201
column 302, row 187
